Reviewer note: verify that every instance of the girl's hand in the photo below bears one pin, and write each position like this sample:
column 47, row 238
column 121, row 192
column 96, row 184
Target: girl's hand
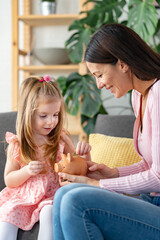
column 35, row 167
column 83, row 148
column 67, row 178
column 101, row 171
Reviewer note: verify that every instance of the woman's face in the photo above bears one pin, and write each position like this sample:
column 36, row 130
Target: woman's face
column 116, row 78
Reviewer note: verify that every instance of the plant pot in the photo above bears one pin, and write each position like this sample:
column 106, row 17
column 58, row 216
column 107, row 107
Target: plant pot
column 48, row 8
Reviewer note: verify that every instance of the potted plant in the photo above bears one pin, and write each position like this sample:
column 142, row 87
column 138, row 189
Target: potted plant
column 48, row 7
column 140, row 15
column 81, row 94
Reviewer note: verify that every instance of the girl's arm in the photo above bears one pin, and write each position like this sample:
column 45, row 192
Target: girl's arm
column 14, row 176
column 69, row 144
column 83, row 149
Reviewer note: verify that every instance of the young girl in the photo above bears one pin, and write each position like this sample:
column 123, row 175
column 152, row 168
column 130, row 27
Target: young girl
column 29, row 176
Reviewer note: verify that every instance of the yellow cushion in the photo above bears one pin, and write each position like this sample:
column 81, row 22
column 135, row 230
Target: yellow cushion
column 112, row 151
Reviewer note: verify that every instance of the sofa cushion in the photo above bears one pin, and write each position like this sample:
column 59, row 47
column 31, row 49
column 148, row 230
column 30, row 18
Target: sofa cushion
column 7, row 123
column 115, row 125
column 112, row 151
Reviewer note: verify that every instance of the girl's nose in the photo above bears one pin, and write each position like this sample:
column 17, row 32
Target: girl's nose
column 51, row 120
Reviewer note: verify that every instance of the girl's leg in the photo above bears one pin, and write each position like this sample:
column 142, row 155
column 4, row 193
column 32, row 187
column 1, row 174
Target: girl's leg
column 46, row 223
column 95, row 213
column 8, row 231
column 57, row 231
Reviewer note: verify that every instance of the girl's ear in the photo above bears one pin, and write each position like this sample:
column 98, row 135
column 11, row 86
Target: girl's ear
column 123, row 66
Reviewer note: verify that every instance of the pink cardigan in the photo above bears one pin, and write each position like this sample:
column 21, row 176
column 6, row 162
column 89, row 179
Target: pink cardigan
column 142, row 177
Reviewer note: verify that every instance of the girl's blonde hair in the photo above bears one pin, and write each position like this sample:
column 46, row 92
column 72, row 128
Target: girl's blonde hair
column 30, row 90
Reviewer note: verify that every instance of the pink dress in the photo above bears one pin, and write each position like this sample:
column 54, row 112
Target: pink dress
column 21, row 205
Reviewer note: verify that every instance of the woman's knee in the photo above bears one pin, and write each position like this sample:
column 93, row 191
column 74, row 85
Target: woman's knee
column 63, row 190
column 72, row 200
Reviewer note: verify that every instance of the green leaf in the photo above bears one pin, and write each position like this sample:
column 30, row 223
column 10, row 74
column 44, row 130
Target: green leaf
column 78, row 43
column 142, row 18
column 88, row 124
column 103, row 12
column 82, row 89
column 62, row 83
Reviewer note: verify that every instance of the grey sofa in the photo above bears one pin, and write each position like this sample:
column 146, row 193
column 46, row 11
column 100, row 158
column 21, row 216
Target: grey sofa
column 120, row 126
column 115, row 125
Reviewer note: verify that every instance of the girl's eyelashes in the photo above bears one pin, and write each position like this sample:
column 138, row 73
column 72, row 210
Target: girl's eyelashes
column 56, row 115
column 43, row 116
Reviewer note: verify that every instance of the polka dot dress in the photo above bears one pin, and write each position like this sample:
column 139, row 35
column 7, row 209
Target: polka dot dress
column 21, row 205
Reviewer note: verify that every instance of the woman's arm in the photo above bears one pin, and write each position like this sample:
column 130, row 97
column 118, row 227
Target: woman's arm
column 95, row 173
column 148, row 178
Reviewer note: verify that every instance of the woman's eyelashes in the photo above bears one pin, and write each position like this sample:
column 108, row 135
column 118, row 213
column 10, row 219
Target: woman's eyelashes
column 99, row 76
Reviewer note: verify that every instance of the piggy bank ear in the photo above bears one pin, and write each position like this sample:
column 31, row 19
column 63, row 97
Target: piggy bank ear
column 64, row 159
column 69, row 157
column 62, row 156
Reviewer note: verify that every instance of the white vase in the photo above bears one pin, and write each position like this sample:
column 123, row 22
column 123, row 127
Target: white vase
column 48, row 8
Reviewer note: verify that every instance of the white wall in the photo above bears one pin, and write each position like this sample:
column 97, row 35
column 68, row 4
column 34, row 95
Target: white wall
column 5, row 56
column 45, row 36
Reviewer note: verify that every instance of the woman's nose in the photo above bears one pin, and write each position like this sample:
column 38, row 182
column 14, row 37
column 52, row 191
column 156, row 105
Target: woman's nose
column 100, row 84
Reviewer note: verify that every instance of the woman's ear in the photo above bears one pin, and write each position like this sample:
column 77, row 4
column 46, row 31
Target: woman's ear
column 123, row 66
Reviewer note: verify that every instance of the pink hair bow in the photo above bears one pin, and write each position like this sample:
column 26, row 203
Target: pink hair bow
column 46, row 78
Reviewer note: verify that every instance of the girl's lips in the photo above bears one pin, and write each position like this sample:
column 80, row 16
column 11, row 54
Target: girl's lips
column 48, row 129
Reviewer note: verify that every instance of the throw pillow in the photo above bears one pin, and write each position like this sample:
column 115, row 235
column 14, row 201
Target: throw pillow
column 113, row 151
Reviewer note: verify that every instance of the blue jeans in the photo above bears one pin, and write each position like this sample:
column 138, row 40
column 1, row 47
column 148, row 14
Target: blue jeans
column 84, row 212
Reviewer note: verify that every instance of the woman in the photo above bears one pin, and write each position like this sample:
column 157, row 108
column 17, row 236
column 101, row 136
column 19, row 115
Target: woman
column 97, row 208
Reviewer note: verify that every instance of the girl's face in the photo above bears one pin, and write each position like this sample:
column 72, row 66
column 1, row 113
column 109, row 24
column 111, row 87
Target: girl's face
column 45, row 118
column 115, row 78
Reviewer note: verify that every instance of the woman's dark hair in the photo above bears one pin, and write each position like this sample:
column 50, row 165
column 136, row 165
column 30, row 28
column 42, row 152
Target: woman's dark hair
column 116, row 41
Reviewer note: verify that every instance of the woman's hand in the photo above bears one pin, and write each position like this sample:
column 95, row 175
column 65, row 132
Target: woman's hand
column 35, row 167
column 65, row 179
column 101, row 171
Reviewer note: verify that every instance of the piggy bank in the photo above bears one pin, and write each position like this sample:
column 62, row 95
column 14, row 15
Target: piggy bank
column 74, row 165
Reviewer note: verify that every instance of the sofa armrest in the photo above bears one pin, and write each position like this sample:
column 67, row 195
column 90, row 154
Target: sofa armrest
column 7, row 123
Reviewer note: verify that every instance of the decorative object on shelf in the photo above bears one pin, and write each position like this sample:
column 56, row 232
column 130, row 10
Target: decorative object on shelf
column 81, row 94
column 48, row 7
column 52, row 56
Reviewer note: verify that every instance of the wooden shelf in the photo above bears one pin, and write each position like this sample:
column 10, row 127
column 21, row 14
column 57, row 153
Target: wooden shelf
column 54, row 19
column 42, row 68
column 31, row 20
